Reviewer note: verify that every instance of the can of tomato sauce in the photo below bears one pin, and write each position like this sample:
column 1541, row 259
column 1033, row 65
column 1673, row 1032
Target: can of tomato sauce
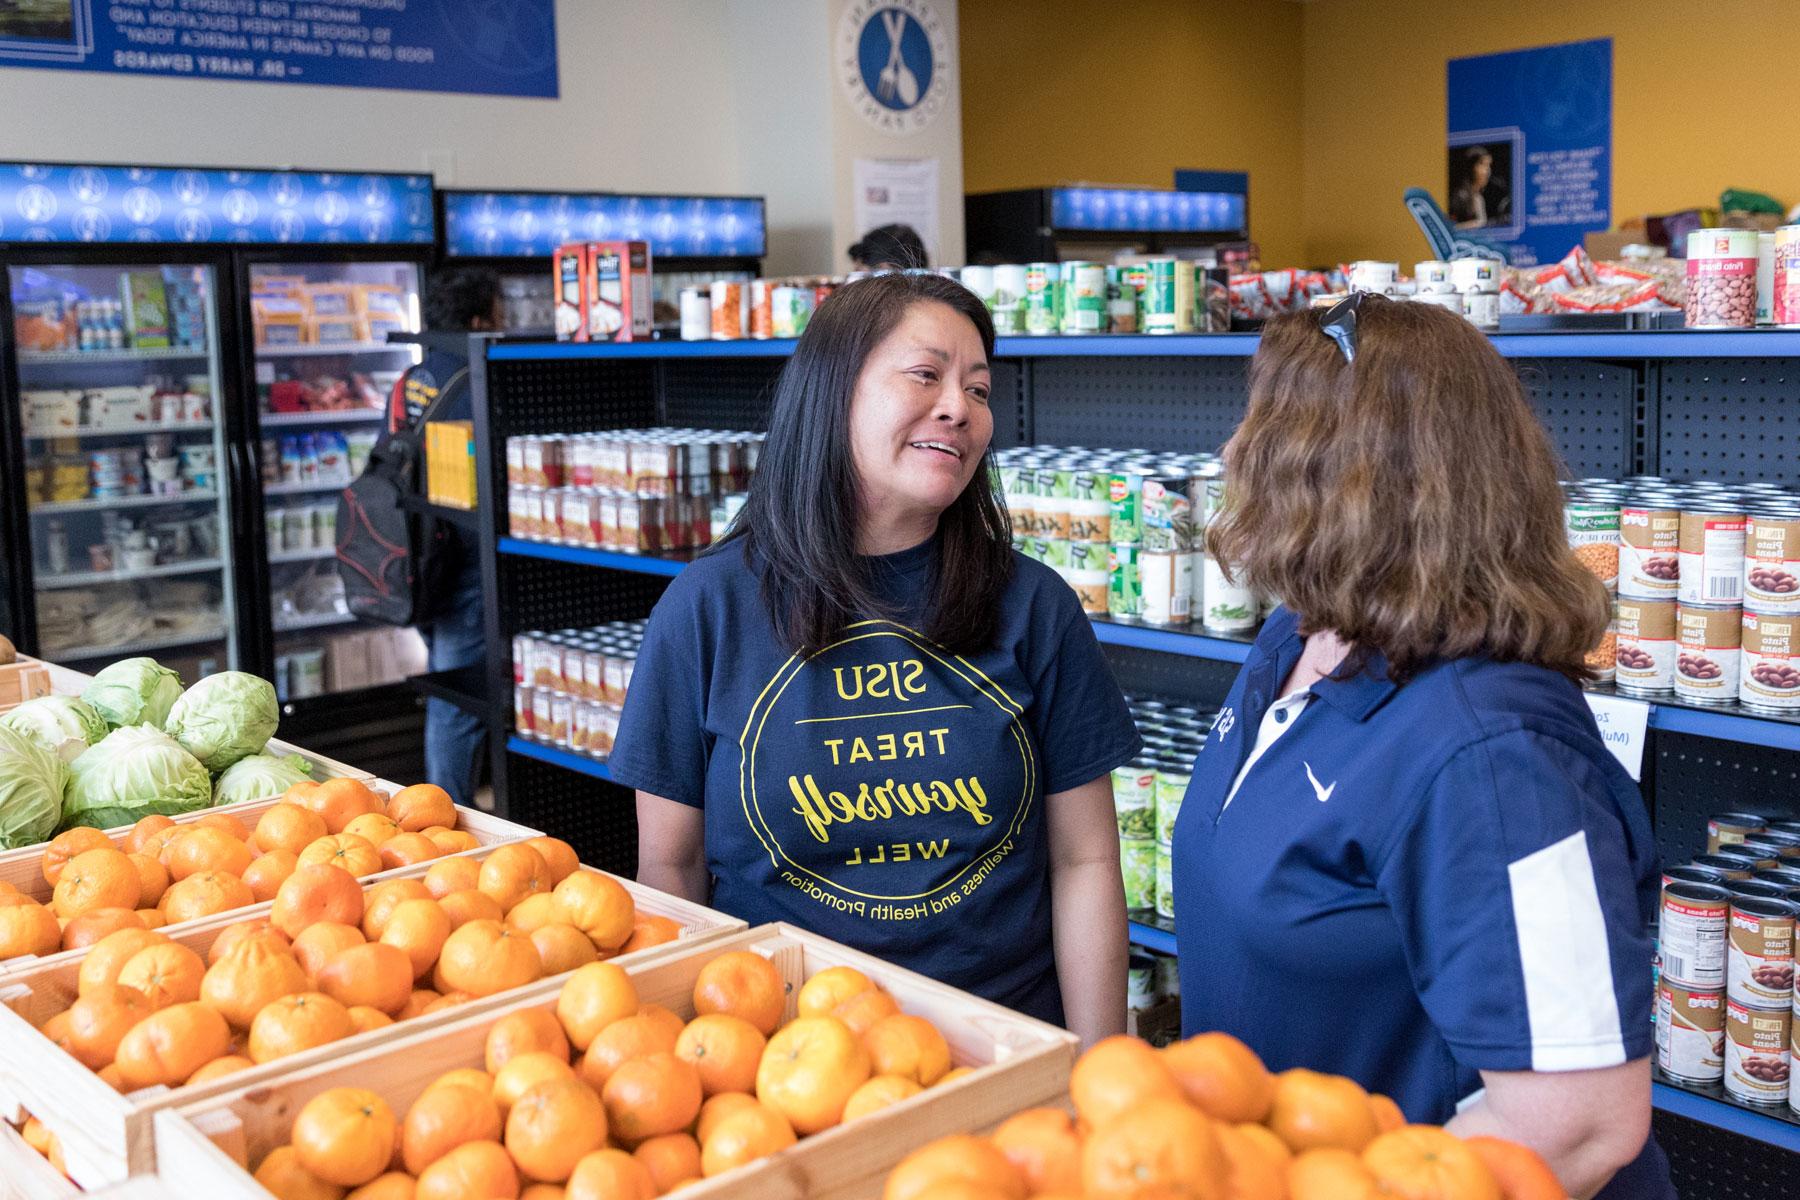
column 1726, row 828
column 1756, row 1053
column 1759, row 962
column 1693, row 924
column 1770, row 662
column 1649, row 547
column 1708, row 639
column 1690, row 1032
column 1646, row 645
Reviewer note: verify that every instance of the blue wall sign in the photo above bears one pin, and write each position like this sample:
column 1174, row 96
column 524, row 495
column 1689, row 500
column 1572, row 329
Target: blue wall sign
column 490, row 47
column 1530, row 147
column 893, row 61
column 44, row 203
column 1146, row 210
column 532, row 224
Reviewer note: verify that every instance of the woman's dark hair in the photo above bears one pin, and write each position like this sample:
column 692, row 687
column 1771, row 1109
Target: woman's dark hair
column 891, row 246
column 799, row 524
column 453, row 299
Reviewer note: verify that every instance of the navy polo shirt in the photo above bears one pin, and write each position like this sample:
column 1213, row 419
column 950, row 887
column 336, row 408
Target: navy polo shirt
column 1418, row 882
column 881, row 791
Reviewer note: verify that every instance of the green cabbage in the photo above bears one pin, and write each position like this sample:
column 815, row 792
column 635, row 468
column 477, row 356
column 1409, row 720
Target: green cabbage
column 133, row 691
column 62, row 725
column 223, row 718
column 31, row 790
column 258, row 777
column 130, row 774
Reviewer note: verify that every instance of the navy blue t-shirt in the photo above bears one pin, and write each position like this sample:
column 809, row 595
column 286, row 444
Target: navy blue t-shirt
column 1419, row 882
column 883, row 792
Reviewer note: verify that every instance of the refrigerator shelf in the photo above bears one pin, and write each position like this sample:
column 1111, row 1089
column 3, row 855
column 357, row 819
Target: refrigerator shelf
column 69, row 654
column 71, row 506
column 55, row 357
column 69, row 579
column 116, row 430
column 335, row 348
column 338, row 416
column 295, row 556
column 301, row 489
column 312, row 621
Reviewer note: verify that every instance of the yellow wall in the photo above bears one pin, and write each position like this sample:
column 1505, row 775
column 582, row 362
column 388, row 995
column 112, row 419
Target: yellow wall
column 1336, row 106
column 1126, row 91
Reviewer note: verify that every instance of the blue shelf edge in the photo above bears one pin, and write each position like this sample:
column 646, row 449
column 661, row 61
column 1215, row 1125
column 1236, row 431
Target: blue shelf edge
column 1171, row 641
column 1722, row 1114
column 1624, row 345
column 586, row 556
column 562, row 758
column 1152, row 938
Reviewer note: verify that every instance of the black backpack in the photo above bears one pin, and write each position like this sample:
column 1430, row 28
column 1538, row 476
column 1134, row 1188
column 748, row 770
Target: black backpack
column 396, row 562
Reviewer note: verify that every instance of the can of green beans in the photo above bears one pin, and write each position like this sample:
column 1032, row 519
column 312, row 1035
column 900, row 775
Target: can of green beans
column 1159, row 295
column 1137, row 863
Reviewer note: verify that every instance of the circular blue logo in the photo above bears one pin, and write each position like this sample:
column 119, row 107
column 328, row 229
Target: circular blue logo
column 894, row 63
column 895, row 58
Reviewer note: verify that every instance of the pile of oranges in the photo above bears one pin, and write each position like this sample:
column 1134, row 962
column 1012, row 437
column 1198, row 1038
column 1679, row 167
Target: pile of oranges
column 606, row 1098
column 163, row 872
column 331, row 960
column 1204, row 1119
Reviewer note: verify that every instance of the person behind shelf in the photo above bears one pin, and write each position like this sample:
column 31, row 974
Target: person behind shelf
column 1478, row 198
column 863, row 713
column 1405, row 854
column 890, row 248
column 465, row 299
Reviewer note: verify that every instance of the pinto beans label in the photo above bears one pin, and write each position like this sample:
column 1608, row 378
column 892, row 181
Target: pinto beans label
column 1706, row 657
column 1770, row 661
column 1692, row 929
column 1690, row 1032
column 1646, row 646
column 1759, row 955
column 1712, row 556
column 1756, row 1053
column 1772, row 562
column 1649, row 550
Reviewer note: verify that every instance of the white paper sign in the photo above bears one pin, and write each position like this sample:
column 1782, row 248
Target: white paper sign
column 898, row 191
column 1622, row 723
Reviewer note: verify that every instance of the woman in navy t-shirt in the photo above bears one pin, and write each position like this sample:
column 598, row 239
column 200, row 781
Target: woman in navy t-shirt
column 1406, row 856
column 864, row 713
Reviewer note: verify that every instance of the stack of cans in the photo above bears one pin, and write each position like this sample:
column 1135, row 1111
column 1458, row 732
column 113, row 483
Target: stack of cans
column 569, row 685
column 1125, row 529
column 1147, row 796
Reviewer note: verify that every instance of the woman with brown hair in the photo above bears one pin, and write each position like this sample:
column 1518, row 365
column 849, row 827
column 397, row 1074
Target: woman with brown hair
column 1406, row 856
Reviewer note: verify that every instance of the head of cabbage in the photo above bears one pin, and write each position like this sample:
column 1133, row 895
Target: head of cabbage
column 62, row 725
column 224, row 717
column 258, row 777
column 31, row 790
column 133, row 691
column 130, row 774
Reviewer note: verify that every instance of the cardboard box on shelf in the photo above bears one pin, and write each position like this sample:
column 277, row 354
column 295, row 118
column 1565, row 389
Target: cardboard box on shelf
column 602, row 291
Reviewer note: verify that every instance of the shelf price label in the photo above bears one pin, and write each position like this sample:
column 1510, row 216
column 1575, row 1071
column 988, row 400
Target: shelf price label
column 1622, row 724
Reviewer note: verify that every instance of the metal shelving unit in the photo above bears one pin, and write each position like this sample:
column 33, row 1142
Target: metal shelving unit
column 330, row 349
column 191, row 566
column 96, row 356
column 328, row 416
column 143, row 501
column 1694, row 403
column 40, row 435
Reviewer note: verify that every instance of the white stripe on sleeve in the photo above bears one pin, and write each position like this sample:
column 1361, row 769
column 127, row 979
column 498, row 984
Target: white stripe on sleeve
column 1569, row 997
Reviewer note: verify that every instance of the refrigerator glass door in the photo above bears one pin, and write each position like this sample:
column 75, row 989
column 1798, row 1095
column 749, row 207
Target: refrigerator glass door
column 124, row 462
column 325, row 375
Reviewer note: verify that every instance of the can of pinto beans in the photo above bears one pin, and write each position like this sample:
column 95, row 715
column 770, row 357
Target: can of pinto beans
column 1772, row 558
column 1646, row 647
column 1770, row 663
column 1693, row 924
column 1649, row 546
column 1756, row 1053
column 1759, row 963
column 1708, row 640
column 1690, row 1032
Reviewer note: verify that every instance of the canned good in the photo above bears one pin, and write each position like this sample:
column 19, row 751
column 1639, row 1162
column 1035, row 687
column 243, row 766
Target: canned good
column 1721, row 273
column 1134, row 799
column 1125, row 587
column 1772, row 559
column 1167, row 581
column 1159, row 295
column 730, row 310
column 1756, row 1053
column 1225, row 605
column 696, row 314
column 1171, row 788
column 1083, row 307
column 1432, row 276
column 1724, row 829
column 1140, row 981
column 1783, row 877
column 1125, row 491
column 1784, row 302
column 1712, row 554
column 1689, row 873
column 1707, row 653
column 1041, row 309
column 1735, row 866
column 1186, row 297
column 1755, row 889
column 1771, row 843
column 1759, row 968
column 1592, row 526
column 1765, row 277
column 522, row 710
column 1092, row 587
column 1649, row 548
column 1690, row 1032
column 1137, row 863
column 1770, row 662
column 1603, row 659
column 1693, row 923
column 1165, row 881
column 1645, row 653
column 1008, row 304
column 791, row 310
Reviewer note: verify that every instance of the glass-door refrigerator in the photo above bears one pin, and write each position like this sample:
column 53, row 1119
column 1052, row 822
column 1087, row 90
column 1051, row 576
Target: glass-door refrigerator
column 693, row 240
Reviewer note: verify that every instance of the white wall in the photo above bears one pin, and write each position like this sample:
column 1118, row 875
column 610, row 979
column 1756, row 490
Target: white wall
column 723, row 96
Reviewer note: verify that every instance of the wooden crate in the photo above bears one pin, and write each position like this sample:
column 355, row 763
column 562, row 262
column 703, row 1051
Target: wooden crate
column 1020, row 1063
column 107, row 1137
column 27, row 1175
column 24, row 867
column 25, row 679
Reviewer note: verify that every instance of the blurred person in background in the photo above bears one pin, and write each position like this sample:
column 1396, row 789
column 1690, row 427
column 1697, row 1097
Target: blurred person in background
column 890, row 248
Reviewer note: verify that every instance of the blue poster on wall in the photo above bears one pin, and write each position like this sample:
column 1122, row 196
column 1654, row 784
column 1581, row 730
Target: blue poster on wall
column 532, row 224
column 489, row 47
column 1530, row 147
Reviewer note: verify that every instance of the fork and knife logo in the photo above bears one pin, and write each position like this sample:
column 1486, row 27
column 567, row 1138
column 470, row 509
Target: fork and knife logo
column 897, row 79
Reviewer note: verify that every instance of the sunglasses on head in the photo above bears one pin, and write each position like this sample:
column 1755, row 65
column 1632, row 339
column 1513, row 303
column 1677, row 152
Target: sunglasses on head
column 1339, row 324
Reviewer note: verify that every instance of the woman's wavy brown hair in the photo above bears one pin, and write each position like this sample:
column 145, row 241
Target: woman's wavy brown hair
column 1410, row 502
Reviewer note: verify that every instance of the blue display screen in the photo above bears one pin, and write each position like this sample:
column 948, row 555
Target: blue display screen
column 530, row 224
column 1146, row 210
column 44, row 203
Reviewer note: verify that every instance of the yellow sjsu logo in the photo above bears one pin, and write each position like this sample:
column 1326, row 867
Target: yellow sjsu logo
column 899, row 679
